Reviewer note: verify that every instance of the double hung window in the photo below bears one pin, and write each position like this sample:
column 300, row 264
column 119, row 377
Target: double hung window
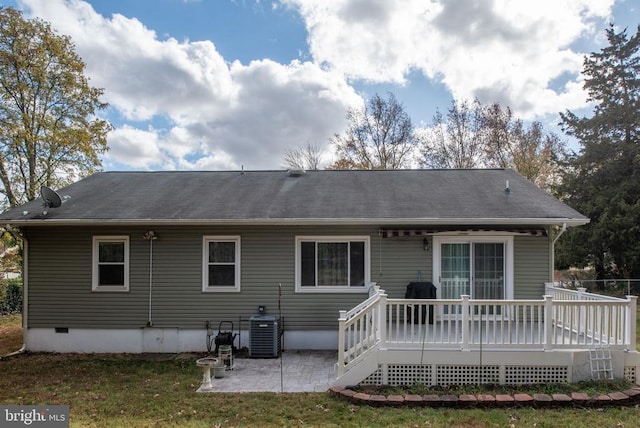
column 110, row 263
column 221, row 263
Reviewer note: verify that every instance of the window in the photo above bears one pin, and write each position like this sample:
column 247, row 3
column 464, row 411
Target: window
column 221, row 263
column 339, row 264
column 110, row 263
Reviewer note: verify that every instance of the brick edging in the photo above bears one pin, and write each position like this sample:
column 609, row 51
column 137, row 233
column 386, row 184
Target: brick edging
column 628, row 397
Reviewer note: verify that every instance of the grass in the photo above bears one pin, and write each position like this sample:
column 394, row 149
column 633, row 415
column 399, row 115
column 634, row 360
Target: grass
column 128, row 391
column 10, row 333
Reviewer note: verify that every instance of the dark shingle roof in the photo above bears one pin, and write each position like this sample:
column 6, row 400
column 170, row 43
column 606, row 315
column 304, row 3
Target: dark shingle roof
column 399, row 196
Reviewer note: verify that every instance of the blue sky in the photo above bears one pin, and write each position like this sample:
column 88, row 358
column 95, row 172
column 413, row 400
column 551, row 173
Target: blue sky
column 225, row 84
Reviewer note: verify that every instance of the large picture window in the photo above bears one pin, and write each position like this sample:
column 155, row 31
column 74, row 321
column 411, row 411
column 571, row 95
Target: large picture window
column 221, row 263
column 332, row 264
column 110, row 263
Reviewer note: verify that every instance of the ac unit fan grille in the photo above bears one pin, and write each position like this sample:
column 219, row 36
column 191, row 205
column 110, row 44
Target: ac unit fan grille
column 265, row 333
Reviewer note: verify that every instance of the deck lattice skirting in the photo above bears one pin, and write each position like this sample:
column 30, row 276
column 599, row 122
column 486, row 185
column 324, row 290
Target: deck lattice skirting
column 462, row 341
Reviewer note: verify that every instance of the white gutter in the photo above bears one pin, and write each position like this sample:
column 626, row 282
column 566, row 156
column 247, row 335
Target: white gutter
column 306, row 221
column 563, row 230
column 150, row 236
column 553, row 251
column 25, row 295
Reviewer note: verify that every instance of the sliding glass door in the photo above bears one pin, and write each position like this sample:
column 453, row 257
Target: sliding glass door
column 488, row 266
column 455, row 275
column 477, row 269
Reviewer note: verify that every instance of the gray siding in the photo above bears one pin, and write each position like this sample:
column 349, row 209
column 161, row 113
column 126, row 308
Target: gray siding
column 400, row 260
column 60, row 277
column 531, row 266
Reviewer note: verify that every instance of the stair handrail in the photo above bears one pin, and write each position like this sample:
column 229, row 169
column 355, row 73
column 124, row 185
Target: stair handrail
column 348, row 318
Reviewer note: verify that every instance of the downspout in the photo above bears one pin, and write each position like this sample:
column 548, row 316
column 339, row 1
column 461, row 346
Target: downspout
column 25, row 295
column 150, row 236
column 553, row 251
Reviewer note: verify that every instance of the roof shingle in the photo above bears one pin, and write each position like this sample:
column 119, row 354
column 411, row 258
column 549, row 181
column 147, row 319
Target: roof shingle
column 405, row 196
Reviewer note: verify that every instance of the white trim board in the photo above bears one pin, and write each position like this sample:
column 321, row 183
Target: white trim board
column 156, row 340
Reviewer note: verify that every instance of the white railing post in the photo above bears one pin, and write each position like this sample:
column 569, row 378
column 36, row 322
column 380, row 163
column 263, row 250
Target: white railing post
column 549, row 288
column 548, row 322
column 631, row 320
column 341, row 345
column 580, row 322
column 465, row 322
column 382, row 320
column 373, row 288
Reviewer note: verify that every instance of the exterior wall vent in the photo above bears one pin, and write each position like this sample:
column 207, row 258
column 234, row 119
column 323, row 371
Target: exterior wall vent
column 265, row 333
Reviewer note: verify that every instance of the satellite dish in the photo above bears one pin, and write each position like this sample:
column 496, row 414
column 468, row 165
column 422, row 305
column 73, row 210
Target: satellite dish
column 50, row 199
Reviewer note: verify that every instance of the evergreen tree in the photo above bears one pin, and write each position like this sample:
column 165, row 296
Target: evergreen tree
column 603, row 180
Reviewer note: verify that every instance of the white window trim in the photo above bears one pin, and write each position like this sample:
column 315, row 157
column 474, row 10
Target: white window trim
column 95, row 286
column 333, row 289
column 507, row 240
column 205, row 264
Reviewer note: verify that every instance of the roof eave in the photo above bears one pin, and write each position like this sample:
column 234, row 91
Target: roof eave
column 301, row 221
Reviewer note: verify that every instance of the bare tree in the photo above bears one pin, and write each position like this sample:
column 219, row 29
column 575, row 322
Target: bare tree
column 498, row 124
column 530, row 150
column 304, row 157
column 455, row 141
column 476, row 136
column 379, row 136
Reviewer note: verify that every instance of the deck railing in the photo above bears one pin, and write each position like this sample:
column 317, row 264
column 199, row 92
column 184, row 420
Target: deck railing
column 562, row 319
column 580, row 293
column 359, row 329
column 593, row 319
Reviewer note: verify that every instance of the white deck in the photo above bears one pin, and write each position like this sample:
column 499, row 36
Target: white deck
column 487, row 334
column 551, row 334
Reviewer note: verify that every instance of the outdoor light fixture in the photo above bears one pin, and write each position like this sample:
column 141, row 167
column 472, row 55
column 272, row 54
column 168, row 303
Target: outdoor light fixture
column 425, row 244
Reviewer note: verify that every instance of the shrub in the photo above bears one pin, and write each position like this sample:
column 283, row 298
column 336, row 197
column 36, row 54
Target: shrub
column 11, row 299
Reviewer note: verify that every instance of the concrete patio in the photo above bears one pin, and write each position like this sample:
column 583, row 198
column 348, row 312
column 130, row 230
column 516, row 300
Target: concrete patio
column 294, row 371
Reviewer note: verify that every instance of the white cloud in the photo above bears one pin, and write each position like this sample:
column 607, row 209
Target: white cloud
column 134, row 147
column 208, row 113
column 218, row 115
column 500, row 50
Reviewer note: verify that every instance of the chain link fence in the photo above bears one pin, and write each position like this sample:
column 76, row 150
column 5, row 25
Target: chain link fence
column 607, row 287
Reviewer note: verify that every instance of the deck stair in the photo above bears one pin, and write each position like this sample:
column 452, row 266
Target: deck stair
column 600, row 360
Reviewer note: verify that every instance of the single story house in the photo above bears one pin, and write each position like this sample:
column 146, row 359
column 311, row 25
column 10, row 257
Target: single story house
column 140, row 261
column 157, row 261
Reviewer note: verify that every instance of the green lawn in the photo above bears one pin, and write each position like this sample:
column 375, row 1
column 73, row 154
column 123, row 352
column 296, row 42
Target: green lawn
column 122, row 391
column 127, row 391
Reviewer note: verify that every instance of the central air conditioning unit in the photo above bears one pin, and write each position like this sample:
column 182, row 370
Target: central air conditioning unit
column 265, row 333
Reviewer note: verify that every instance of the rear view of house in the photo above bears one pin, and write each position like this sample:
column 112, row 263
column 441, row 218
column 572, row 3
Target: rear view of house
column 140, row 261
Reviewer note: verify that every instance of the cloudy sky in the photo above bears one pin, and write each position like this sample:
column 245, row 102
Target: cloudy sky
column 225, row 84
